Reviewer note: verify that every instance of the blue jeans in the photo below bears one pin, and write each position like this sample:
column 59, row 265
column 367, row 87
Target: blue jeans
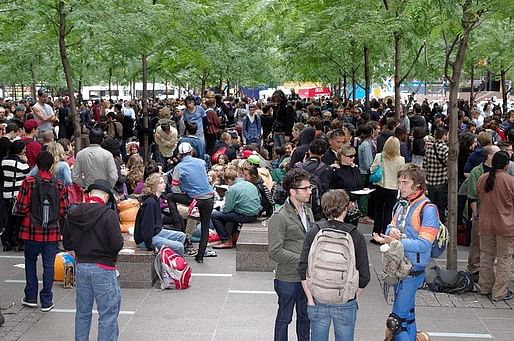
column 291, row 294
column 101, row 286
column 404, row 306
column 343, row 316
column 219, row 219
column 279, row 140
column 32, row 251
column 174, row 239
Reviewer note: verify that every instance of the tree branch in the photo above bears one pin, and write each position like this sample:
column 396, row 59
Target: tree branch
column 386, row 5
column 413, row 63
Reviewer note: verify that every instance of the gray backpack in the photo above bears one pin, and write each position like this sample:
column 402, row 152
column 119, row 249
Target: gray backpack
column 332, row 275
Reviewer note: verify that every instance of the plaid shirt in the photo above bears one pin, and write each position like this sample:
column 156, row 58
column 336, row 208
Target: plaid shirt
column 437, row 171
column 22, row 207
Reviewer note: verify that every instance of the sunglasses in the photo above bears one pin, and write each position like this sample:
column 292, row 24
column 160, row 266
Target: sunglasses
column 351, row 155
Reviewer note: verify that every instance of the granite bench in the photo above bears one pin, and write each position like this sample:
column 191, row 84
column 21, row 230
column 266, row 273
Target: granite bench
column 252, row 248
column 135, row 266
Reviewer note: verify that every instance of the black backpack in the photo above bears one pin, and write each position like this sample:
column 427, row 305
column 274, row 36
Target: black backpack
column 317, row 189
column 448, row 281
column 44, row 203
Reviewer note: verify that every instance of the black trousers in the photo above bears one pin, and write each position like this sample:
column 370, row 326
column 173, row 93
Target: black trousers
column 384, row 200
column 204, row 208
column 438, row 195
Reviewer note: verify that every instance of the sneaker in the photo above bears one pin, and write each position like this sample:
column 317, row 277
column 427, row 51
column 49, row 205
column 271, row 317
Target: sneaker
column 508, row 296
column 190, row 251
column 47, row 309
column 28, row 303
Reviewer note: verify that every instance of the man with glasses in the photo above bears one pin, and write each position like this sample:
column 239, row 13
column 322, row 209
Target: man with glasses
column 286, row 232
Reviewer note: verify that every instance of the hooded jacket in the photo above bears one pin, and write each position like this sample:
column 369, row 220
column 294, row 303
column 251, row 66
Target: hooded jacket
column 305, row 138
column 92, row 230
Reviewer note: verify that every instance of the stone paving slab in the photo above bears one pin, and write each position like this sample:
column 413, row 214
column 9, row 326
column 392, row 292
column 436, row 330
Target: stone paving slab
column 225, row 304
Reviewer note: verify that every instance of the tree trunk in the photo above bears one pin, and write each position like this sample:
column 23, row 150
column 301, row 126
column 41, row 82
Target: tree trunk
column 153, row 87
column 166, row 88
column 367, row 81
column 354, row 87
column 144, row 102
column 80, row 89
column 397, row 75
column 110, row 78
column 33, row 77
column 204, row 83
column 454, row 151
column 471, row 91
column 345, row 98
column 68, row 75
column 504, row 89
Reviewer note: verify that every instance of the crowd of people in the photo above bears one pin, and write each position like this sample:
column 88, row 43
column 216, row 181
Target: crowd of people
column 233, row 160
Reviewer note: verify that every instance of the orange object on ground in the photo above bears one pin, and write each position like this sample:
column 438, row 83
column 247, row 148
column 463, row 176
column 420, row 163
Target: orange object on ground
column 127, row 211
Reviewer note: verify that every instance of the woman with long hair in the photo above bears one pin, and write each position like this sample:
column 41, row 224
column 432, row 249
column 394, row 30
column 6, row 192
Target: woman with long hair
column 387, row 188
column 148, row 231
column 496, row 208
column 135, row 167
column 60, row 168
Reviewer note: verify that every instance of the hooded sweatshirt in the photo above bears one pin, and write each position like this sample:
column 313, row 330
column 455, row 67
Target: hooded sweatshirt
column 92, row 230
column 304, row 140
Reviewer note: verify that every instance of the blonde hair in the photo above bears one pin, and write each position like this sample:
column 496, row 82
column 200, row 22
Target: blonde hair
column 391, row 148
column 57, row 151
column 151, row 183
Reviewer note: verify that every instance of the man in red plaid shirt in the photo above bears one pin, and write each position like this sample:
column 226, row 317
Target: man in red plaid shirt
column 39, row 239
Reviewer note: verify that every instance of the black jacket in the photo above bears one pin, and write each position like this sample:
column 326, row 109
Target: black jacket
column 359, row 243
column 148, row 221
column 347, row 178
column 92, row 230
column 304, row 140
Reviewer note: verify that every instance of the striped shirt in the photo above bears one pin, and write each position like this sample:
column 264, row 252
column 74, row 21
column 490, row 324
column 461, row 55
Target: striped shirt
column 14, row 171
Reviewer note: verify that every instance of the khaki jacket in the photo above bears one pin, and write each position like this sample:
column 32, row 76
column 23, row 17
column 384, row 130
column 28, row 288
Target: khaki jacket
column 285, row 240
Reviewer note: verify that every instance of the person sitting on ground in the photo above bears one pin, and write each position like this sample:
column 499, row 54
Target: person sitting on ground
column 148, row 231
column 242, row 205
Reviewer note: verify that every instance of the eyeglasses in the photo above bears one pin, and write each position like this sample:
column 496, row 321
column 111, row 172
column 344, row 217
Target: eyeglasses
column 304, row 188
column 351, row 155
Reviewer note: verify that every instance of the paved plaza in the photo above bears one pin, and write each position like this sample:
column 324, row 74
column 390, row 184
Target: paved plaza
column 225, row 305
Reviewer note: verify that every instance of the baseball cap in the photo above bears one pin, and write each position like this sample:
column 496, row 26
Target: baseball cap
column 254, row 160
column 184, row 148
column 30, row 124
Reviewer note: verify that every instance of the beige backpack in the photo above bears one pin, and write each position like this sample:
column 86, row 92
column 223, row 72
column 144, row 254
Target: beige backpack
column 332, row 275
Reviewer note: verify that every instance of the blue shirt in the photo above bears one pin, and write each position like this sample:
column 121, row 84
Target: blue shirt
column 196, row 117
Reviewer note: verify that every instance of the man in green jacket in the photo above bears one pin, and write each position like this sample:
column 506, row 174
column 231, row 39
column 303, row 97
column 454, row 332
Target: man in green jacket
column 286, row 232
column 474, row 246
column 242, row 205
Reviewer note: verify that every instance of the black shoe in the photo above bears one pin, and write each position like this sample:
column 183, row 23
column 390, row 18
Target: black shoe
column 7, row 246
column 199, row 259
